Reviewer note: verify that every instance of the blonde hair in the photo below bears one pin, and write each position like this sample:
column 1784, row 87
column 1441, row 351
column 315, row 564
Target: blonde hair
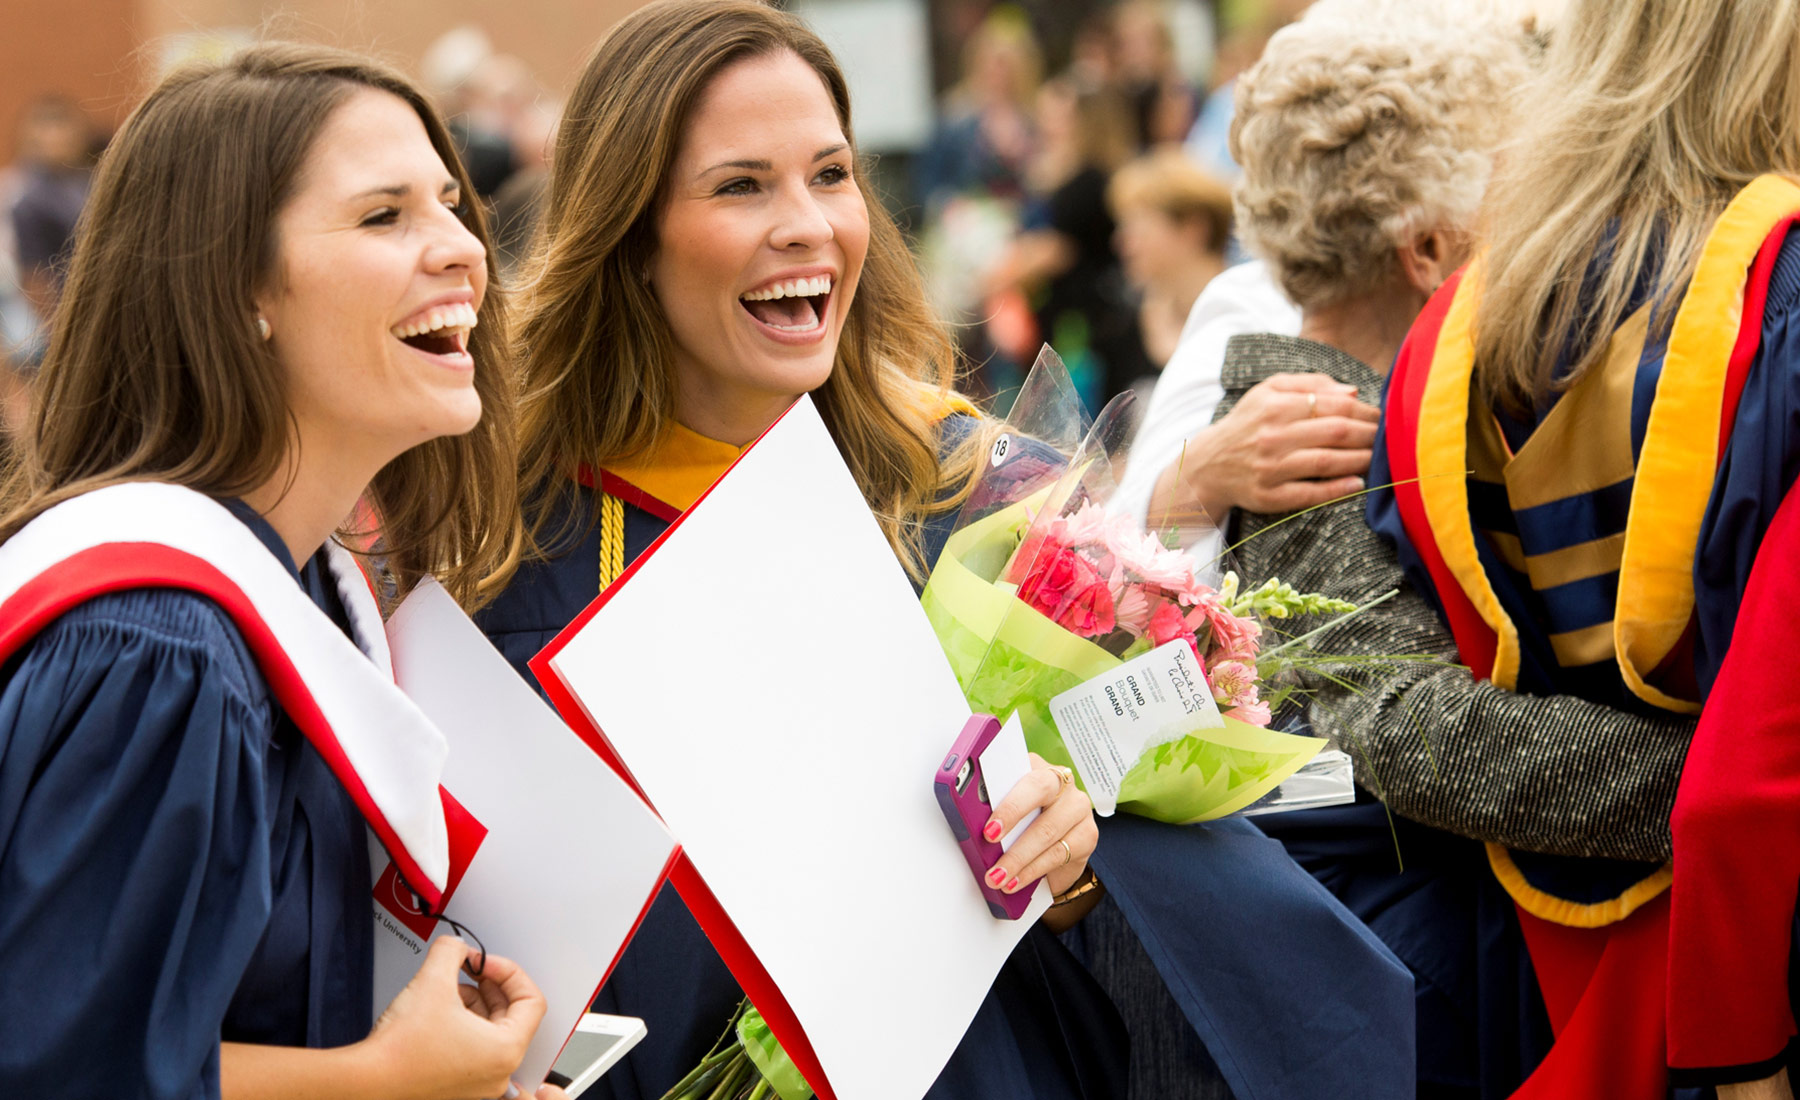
column 593, row 345
column 1354, row 140
column 1168, row 181
column 1106, row 130
column 1007, row 32
column 154, row 371
column 1651, row 115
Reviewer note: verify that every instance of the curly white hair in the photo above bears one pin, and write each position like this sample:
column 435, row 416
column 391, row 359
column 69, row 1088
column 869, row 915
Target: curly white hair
column 1366, row 124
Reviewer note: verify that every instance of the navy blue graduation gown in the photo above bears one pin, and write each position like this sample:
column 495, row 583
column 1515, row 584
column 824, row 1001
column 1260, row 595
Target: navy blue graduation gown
column 1286, row 994
column 1482, row 1027
column 177, row 865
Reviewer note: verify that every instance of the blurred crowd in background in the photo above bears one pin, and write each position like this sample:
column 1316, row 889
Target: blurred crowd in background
column 1072, row 185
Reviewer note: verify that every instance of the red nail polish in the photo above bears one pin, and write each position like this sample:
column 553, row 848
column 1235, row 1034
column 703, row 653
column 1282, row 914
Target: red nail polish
column 1013, row 885
column 992, row 832
column 995, row 877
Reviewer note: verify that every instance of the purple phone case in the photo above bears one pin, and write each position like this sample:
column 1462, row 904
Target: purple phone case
column 968, row 811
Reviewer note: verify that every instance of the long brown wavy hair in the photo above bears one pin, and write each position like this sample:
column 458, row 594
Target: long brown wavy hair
column 1650, row 117
column 155, row 371
column 593, row 346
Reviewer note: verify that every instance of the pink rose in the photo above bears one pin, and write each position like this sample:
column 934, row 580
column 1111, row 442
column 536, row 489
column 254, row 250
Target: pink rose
column 1167, row 625
column 1090, row 613
column 1067, row 589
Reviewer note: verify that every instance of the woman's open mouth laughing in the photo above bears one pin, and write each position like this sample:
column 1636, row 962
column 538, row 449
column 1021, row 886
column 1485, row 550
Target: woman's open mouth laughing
column 441, row 332
column 791, row 311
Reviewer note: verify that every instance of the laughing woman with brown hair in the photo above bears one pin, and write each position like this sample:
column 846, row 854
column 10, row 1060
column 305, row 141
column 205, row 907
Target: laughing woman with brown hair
column 710, row 252
column 277, row 307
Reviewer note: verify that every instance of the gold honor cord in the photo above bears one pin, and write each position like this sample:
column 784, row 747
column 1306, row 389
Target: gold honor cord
column 612, row 539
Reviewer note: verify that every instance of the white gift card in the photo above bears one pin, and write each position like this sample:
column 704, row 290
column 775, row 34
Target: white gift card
column 1003, row 763
column 1112, row 720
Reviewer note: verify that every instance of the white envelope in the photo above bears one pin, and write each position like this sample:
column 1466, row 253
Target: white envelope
column 770, row 680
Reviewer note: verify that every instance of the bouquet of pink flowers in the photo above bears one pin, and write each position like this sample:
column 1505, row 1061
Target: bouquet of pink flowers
column 1099, row 576
column 1107, row 640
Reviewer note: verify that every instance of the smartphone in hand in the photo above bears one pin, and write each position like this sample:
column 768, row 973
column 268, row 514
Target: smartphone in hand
column 596, row 1046
column 963, row 796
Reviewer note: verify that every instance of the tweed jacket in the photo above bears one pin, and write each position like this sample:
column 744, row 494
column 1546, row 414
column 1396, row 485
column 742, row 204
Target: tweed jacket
column 1552, row 774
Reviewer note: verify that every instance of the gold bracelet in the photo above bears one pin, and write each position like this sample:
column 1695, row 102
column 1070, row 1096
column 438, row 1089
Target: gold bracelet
column 1086, row 884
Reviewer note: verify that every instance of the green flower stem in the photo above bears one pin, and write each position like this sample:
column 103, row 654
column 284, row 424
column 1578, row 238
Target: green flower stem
column 711, row 1074
column 1311, row 634
column 1335, row 500
column 740, row 1069
column 702, row 1076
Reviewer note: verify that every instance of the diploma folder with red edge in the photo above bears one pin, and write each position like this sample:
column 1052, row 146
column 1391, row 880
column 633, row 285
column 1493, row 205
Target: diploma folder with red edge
column 523, row 786
column 789, row 487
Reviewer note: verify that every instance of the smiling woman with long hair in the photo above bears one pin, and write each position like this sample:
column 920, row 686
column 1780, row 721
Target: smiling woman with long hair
column 277, row 307
column 597, row 339
column 711, row 251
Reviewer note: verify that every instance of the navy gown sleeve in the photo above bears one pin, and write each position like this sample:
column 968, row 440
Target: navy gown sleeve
column 134, row 850
column 1759, row 466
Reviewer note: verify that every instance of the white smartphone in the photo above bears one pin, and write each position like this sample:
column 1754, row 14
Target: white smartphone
column 596, row 1046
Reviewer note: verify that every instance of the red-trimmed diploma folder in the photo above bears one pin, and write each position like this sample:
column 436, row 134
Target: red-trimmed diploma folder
column 765, row 676
column 554, row 860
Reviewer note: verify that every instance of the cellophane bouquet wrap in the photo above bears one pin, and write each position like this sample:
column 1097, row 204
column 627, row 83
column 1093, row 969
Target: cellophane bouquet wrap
column 1124, row 657
column 745, row 1064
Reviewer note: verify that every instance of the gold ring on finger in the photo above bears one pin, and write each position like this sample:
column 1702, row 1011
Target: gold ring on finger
column 1312, row 405
column 1068, row 853
column 1064, row 776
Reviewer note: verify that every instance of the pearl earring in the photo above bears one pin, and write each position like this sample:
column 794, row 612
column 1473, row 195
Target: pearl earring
column 262, row 327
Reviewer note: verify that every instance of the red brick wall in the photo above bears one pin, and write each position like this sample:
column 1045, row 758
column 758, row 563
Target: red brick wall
column 102, row 51
column 552, row 36
column 83, row 48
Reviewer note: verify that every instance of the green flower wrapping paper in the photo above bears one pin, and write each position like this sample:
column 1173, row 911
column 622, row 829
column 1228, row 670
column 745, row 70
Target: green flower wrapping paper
column 1009, row 658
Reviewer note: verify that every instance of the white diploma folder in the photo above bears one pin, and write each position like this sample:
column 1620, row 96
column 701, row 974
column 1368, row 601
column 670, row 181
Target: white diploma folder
column 769, row 679
column 571, row 857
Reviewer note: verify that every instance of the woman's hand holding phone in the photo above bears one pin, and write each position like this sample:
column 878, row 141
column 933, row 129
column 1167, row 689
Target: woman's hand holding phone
column 1067, row 820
